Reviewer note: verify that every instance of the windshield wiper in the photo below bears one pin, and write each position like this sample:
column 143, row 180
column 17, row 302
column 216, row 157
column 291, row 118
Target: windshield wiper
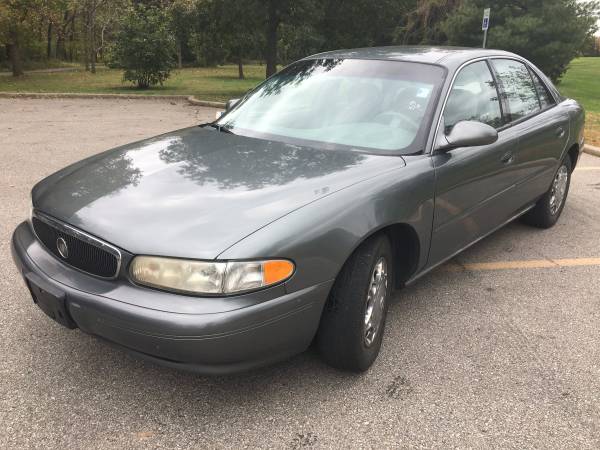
column 220, row 128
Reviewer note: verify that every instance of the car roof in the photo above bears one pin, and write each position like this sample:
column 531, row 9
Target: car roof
column 445, row 56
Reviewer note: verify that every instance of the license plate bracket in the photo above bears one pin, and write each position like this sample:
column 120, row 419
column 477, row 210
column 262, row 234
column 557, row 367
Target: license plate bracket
column 49, row 299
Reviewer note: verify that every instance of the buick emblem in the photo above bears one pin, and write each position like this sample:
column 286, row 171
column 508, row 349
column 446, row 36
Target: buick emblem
column 61, row 246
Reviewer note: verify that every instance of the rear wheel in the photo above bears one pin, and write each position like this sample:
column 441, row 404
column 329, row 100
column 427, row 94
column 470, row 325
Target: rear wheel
column 547, row 210
column 353, row 321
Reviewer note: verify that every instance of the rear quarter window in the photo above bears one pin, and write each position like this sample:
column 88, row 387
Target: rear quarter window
column 546, row 99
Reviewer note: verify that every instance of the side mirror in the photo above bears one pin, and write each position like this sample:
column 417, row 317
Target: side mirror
column 231, row 103
column 467, row 133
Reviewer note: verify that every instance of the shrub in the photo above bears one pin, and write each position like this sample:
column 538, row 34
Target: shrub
column 144, row 47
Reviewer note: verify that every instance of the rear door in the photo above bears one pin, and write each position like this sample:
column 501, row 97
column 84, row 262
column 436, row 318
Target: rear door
column 473, row 184
column 543, row 128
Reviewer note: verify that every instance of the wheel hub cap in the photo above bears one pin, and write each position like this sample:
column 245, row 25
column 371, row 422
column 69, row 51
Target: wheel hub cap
column 559, row 188
column 375, row 304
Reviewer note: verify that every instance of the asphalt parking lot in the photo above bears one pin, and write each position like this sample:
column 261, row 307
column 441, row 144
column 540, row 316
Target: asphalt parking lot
column 492, row 350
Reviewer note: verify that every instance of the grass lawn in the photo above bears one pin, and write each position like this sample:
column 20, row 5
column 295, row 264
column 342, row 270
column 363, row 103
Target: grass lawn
column 581, row 82
column 214, row 83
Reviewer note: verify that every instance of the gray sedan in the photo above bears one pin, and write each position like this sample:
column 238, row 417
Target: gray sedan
column 291, row 219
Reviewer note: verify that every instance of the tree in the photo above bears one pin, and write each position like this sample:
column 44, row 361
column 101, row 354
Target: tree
column 362, row 23
column 181, row 21
column 205, row 38
column 144, row 47
column 591, row 46
column 17, row 18
column 64, row 30
column 275, row 9
column 98, row 15
column 238, row 30
column 285, row 13
column 549, row 33
column 423, row 23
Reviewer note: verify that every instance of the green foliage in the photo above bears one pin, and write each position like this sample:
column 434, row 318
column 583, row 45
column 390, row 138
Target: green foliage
column 205, row 38
column 591, row 47
column 237, row 28
column 18, row 21
column 423, row 23
column 362, row 23
column 145, row 40
column 549, row 33
column 144, row 47
column 181, row 23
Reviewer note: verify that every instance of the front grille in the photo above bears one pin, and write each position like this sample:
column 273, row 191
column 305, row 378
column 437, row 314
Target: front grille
column 82, row 253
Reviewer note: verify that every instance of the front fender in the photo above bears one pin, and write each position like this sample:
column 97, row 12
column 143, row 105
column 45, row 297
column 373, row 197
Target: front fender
column 321, row 236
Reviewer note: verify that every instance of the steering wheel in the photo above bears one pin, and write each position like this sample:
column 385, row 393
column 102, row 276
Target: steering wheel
column 394, row 114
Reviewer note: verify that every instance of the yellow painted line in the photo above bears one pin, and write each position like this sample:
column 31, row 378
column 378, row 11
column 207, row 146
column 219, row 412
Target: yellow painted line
column 572, row 262
column 522, row 264
column 507, row 265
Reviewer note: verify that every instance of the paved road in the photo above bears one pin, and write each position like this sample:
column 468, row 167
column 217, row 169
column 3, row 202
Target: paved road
column 474, row 356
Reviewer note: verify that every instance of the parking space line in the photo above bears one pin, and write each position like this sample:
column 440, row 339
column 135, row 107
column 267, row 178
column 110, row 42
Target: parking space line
column 572, row 262
column 522, row 264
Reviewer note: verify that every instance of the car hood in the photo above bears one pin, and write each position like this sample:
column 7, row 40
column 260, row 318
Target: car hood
column 195, row 192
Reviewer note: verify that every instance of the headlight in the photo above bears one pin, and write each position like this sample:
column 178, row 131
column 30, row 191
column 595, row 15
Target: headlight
column 206, row 277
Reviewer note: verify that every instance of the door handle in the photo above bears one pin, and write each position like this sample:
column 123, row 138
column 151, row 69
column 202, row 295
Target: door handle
column 507, row 158
column 560, row 132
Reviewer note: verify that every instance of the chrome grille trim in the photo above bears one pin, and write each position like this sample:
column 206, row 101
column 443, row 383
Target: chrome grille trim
column 81, row 235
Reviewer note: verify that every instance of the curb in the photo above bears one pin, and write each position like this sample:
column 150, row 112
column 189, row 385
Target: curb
column 194, row 101
column 591, row 150
column 190, row 98
column 83, row 95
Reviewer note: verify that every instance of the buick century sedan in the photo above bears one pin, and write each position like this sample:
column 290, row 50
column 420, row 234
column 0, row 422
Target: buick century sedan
column 292, row 218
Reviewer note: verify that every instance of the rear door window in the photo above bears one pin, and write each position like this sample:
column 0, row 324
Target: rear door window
column 518, row 88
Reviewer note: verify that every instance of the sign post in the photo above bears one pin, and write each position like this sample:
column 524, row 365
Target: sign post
column 485, row 24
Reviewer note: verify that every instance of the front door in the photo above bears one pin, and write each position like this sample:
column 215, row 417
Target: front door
column 473, row 184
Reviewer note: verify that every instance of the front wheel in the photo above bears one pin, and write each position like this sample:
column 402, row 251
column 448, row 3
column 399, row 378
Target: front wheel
column 353, row 321
column 547, row 210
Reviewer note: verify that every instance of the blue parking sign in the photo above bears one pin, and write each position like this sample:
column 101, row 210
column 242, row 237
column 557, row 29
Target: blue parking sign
column 486, row 19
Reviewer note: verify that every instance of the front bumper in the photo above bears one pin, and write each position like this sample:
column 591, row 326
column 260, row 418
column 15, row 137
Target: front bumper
column 205, row 335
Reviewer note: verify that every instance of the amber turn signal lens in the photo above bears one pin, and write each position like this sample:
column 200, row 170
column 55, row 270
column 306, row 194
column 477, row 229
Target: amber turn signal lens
column 276, row 271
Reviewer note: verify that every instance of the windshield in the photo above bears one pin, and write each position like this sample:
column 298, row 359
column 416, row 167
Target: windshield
column 365, row 104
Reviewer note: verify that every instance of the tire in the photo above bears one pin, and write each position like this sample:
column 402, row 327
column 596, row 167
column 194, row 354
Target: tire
column 546, row 212
column 344, row 340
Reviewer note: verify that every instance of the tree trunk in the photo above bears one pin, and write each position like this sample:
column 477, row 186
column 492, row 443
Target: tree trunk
column 240, row 68
column 86, row 41
column 93, row 38
column 271, row 50
column 179, row 55
column 71, row 38
column 61, row 51
column 15, row 53
column 49, row 41
column 60, row 47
